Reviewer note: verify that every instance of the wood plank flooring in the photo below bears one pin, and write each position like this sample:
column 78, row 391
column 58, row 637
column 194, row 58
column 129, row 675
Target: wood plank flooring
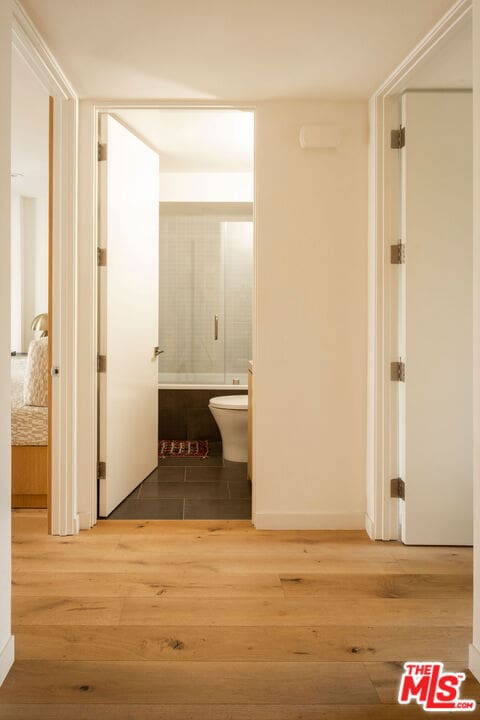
column 197, row 620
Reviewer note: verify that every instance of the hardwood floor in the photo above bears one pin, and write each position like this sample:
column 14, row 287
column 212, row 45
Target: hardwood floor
column 197, row 620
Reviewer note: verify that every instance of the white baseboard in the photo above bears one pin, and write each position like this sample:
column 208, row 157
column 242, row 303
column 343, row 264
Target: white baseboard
column 7, row 657
column 309, row 521
column 84, row 521
column 474, row 661
column 369, row 527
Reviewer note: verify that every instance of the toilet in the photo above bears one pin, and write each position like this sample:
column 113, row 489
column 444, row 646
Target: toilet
column 231, row 416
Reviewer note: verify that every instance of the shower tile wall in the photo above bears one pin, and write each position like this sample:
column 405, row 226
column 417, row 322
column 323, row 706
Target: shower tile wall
column 191, row 291
column 206, row 266
column 238, row 248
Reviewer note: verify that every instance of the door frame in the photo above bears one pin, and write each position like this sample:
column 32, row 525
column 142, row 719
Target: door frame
column 89, row 112
column 62, row 282
column 382, row 512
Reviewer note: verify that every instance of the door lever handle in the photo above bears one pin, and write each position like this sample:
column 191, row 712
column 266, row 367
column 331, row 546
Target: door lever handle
column 157, row 351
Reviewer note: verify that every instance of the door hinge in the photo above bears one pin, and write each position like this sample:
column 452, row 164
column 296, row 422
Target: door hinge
column 102, row 151
column 101, row 257
column 397, row 371
column 397, row 138
column 397, row 254
column 101, row 363
column 101, row 470
column 397, row 488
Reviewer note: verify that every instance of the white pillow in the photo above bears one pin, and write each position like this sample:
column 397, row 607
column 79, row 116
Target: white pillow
column 35, row 387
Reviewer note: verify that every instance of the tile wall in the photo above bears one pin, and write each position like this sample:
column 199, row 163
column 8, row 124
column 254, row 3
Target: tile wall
column 206, row 269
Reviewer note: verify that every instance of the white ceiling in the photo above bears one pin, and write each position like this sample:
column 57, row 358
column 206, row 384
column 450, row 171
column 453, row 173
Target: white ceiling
column 196, row 140
column 29, row 132
column 231, row 49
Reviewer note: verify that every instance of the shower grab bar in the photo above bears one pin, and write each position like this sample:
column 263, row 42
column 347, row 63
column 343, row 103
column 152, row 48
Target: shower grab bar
column 215, row 325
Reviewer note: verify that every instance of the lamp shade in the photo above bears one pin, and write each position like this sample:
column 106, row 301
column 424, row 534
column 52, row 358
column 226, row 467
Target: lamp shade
column 40, row 323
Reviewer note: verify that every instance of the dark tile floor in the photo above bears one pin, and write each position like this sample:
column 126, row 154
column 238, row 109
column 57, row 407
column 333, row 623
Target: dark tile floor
column 191, row 489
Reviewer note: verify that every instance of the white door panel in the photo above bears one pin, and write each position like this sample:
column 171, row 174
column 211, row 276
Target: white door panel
column 128, row 313
column 436, row 327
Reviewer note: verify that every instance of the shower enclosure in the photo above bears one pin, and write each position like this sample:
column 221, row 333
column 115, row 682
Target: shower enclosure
column 206, row 288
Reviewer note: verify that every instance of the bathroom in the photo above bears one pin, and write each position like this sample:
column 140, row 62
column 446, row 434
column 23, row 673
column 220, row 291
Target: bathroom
column 205, row 314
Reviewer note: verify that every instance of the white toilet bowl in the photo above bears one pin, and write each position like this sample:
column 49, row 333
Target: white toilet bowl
column 231, row 416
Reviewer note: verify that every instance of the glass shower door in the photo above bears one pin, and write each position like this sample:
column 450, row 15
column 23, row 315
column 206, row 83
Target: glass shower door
column 238, row 255
column 191, row 313
column 208, row 327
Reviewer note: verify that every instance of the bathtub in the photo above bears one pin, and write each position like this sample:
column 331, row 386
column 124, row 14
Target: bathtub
column 201, row 381
column 183, row 403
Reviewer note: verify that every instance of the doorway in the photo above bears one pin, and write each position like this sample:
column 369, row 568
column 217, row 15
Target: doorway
column 179, row 181
column 31, row 302
column 420, row 466
column 435, row 323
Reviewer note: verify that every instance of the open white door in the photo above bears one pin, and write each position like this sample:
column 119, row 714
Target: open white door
column 128, row 313
column 436, row 331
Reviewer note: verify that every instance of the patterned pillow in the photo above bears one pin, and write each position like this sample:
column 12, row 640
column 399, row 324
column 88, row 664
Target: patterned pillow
column 35, row 388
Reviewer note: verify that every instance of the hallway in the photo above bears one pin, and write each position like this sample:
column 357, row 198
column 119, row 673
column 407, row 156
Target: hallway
column 166, row 619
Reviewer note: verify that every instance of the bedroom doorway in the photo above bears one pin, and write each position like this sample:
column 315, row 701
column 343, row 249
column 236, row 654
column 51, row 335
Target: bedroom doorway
column 31, row 291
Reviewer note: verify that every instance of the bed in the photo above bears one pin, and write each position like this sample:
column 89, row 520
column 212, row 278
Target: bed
column 29, row 443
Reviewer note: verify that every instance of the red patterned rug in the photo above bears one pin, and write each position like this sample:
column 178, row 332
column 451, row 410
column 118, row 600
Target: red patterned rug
column 183, row 448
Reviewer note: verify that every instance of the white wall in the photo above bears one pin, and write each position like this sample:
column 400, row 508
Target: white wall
column 474, row 663
column 6, row 640
column 206, row 187
column 16, row 340
column 29, row 262
column 29, row 202
column 310, row 356
column 311, row 306
column 371, row 325
column 34, row 265
column 86, row 421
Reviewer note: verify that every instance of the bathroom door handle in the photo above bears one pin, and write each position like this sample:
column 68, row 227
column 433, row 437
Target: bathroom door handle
column 157, row 351
column 215, row 326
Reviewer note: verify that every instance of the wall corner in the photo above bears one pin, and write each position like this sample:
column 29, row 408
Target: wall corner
column 7, row 658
